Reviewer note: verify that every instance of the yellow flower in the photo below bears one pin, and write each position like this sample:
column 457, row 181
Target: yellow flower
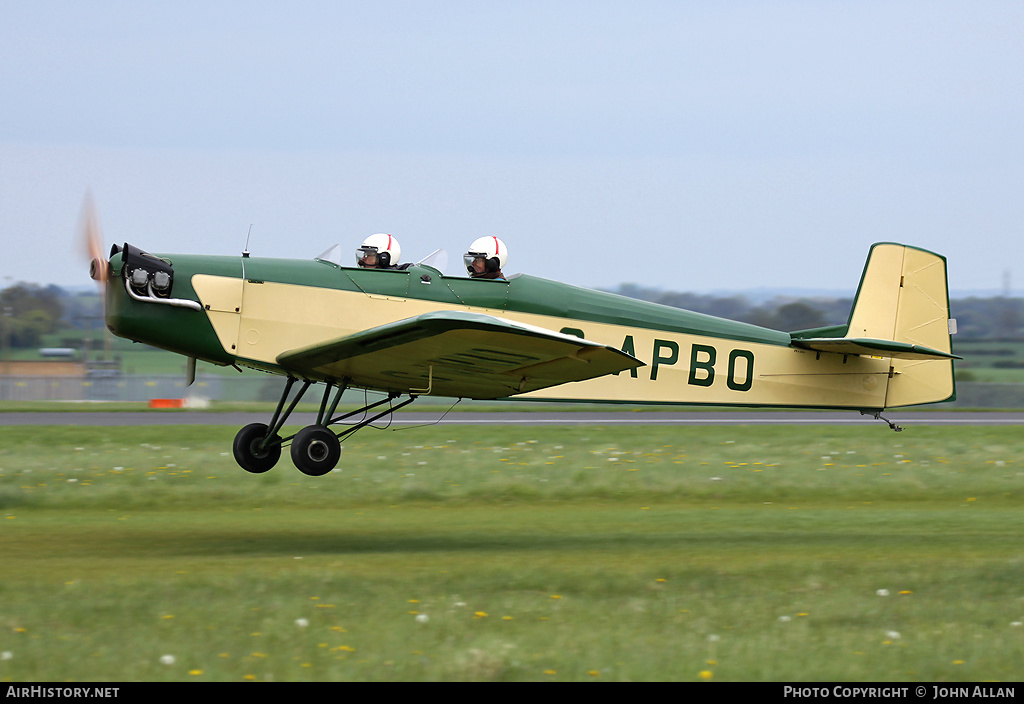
column 706, row 674
column 480, row 614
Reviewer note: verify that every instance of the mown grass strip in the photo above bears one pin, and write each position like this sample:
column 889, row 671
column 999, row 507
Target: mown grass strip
column 450, row 553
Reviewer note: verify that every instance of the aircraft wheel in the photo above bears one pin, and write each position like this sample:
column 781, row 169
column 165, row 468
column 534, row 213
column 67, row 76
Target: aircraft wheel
column 246, row 449
column 315, row 450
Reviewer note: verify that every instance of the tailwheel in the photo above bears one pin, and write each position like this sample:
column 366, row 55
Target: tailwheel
column 254, row 451
column 315, row 450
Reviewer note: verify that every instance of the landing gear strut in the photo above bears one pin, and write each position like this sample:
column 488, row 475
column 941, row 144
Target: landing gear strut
column 316, row 448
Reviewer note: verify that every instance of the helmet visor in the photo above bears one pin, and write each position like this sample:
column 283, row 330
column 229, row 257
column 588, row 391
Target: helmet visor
column 476, row 262
column 366, row 256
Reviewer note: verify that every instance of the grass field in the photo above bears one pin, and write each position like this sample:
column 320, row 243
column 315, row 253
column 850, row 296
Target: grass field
column 455, row 553
column 992, row 361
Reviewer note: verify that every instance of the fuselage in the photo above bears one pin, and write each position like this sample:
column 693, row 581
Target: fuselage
column 251, row 310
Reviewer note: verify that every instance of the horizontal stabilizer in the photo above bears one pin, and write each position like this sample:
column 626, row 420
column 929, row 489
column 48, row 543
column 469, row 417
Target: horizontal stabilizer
column 458, row 354
column 872, row 348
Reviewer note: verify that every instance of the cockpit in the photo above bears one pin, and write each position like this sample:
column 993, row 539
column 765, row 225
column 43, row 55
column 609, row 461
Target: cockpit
column 336, row 255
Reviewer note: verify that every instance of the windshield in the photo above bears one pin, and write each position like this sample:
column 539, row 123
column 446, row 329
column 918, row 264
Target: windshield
column 438, row 259
column 331, row 255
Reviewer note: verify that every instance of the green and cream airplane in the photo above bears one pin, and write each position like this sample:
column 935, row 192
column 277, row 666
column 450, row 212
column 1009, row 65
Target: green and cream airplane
column 417, row 332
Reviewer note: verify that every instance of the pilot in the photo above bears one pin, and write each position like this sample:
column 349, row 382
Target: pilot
column 380, row 251
column 485, row 258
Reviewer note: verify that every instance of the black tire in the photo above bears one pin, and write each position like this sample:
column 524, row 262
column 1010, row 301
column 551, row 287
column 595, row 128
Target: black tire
column 246, row 449
column 315, row 450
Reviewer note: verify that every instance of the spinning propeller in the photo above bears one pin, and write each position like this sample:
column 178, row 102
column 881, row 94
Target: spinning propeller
column 91, row 241
column 90, row 244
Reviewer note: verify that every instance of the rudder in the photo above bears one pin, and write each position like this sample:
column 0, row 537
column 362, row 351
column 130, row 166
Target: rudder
column 904, row 296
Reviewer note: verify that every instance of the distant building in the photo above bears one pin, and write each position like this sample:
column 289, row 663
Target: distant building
column 41, row 367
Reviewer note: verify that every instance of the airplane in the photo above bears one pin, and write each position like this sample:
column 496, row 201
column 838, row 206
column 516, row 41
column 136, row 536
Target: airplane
column 417, row 332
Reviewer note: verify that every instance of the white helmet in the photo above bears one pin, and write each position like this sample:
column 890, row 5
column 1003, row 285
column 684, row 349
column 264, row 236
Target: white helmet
column 491, row 250
column 380, row 251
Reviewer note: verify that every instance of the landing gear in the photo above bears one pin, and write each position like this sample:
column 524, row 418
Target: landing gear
column 255, row 449
column 877, row 415
column 315, row 449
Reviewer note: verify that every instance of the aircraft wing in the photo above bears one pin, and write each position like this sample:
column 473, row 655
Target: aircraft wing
column 871, row 347
column 458, row 354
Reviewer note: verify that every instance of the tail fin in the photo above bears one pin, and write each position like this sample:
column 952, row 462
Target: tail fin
column 901, row 313
column 904, row 298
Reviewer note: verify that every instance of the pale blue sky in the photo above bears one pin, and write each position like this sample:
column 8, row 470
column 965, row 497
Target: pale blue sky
column 682, row 145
